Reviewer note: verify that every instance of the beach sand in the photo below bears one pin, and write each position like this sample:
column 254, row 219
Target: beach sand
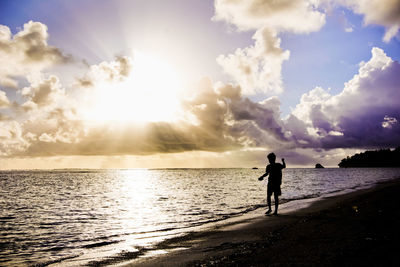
column 361, row 228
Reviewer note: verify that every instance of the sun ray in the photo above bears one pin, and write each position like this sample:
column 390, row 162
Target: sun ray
column 150, row 93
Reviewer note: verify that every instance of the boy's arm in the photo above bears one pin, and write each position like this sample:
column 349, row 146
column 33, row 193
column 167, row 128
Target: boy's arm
column 284, row 164
column 265, row 174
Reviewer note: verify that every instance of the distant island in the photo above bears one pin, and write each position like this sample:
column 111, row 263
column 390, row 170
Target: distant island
column 376, row 158
column 319, row 166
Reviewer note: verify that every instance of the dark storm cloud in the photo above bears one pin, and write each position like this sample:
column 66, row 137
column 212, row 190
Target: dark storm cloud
column 263, row 115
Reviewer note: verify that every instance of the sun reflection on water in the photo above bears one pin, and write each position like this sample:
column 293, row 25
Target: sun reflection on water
column 136, row 204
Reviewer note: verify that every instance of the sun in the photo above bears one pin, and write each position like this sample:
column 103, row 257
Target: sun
column 151, row 93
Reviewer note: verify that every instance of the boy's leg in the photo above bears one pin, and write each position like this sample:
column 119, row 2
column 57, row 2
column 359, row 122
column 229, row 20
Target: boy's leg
column 276, row 198
column 269, row 202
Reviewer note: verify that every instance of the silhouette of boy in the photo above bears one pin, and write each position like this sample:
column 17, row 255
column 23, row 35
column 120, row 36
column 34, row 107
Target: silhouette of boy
column 274, row 170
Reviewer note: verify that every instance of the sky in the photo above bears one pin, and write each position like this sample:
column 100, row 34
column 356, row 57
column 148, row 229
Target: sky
column 196, row 83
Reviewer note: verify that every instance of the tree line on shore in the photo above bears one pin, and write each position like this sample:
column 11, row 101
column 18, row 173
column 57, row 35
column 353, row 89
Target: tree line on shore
column 376, row 158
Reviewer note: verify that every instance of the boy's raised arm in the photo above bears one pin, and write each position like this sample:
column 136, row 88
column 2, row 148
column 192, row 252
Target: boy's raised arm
column 284, row 164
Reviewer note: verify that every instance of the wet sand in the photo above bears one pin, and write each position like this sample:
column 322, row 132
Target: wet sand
column 361, row 228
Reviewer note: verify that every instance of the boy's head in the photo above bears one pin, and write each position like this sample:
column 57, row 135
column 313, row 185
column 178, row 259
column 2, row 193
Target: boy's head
column 271, row 157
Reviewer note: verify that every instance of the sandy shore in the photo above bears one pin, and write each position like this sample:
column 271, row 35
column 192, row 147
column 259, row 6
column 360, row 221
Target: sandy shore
column 361, row 228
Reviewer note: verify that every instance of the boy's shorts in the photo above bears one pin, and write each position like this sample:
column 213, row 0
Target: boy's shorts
column 276, row 189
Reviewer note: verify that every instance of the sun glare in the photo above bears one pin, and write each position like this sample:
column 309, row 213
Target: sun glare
column 151, row 93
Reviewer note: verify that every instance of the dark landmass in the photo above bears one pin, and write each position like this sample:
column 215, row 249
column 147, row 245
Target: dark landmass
column 255, row 168
column 319, row 166
column 377, row 158
column 356, row 229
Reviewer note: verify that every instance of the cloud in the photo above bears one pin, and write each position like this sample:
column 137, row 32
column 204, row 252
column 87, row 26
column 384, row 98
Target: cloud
column 317, row 96
column 388, row 122
column 4, row 102
column 11, row 138
column 380, row 12
column 113, row 71
column 257, row 69
column 43, row 93
column 60, row 131
column 258, row 122
column 218, row 120
column 364, row 114
column 298, row 16
column 223, row 112
column 26, row 53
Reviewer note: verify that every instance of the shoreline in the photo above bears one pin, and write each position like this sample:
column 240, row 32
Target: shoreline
column 256, row 239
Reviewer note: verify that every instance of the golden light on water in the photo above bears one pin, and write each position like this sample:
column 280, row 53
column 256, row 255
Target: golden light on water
column 136, row 203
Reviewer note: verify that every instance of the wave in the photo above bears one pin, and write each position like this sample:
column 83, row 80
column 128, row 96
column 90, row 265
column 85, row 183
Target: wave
column 59, row 260
column 120, row 257
column 100, row 244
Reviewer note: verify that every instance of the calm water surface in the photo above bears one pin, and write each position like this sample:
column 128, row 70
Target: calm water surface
column 80, row 217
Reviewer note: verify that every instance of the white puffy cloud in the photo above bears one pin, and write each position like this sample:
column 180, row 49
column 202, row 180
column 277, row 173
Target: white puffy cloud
column 257, row 68
column 298, row 16
column 39, row 112
column 315, row 97
column 26, row 53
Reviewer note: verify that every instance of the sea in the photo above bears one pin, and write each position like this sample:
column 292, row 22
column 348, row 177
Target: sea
column 79, row 217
